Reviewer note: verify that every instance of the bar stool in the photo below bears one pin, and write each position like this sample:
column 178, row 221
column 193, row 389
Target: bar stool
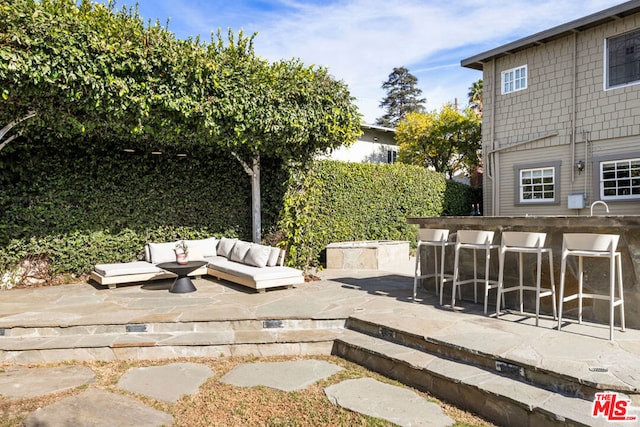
column 522, row 242
column 475, row 240
column 435, row 238
column 597, row 246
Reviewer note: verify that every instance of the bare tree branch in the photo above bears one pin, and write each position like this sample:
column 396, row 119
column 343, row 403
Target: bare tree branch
column 244, row 164
column 11, row 138
column 10, row 126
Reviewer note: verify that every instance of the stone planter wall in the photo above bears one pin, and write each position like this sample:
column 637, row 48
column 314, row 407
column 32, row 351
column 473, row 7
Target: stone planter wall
column 367, row 255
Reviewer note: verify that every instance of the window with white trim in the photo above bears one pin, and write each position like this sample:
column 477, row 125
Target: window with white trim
column 620, row 179
column 622, row 60
column 537, row 185
column 514, row 79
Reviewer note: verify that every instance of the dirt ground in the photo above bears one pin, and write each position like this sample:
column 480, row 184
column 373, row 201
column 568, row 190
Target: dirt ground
column 220, row 404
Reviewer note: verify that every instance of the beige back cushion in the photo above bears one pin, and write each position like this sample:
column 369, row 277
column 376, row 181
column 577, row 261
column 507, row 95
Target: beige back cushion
column 162, row 252
column 225, row 246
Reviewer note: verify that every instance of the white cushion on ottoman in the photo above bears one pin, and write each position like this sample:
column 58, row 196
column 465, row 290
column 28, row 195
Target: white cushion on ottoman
column 126, row 268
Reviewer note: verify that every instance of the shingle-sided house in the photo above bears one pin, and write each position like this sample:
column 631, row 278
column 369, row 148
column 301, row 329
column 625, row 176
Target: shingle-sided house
column 561, row 118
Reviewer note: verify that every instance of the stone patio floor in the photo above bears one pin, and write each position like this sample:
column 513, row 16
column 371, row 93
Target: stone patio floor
column 366, row 294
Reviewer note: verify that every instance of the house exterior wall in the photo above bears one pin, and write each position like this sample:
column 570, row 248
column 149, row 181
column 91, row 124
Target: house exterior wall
column 564, row 115
column 373, row 146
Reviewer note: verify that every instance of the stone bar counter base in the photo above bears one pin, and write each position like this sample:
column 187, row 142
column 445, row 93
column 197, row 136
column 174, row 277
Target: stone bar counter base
column 596, row 270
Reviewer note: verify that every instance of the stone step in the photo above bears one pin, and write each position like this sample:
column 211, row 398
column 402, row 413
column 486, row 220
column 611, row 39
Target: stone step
column 285, row 337
column 541, row 376
column 502, row 399
column 48, row 330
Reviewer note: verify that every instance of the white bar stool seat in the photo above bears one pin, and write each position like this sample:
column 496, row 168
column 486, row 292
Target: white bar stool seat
column 522, row 242
column 435, row 238
column 475, row 240
column 595, row 246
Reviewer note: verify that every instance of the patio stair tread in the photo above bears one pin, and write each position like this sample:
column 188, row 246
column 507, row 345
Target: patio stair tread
column 497, row 390
column 179, row 338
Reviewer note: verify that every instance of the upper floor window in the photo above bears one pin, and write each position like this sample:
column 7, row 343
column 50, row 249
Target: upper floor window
column 622, row 60
column 514, row 79
column 537, row 185
column 620, row 179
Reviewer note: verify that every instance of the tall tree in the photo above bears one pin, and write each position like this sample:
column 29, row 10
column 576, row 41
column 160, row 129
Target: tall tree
column 402, row 97
column 475, row 96
column 447, row 141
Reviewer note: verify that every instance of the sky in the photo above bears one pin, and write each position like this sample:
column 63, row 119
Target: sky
column 361, row 41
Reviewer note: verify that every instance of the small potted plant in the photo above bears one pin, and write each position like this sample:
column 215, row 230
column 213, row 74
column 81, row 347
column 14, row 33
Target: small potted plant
column 182, row 252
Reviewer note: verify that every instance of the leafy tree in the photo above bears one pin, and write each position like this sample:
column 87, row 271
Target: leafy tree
column 69, row 69
column 283, row 110
column 87, row 69
column 402, row 97
column 446, row 141
column 475, row 96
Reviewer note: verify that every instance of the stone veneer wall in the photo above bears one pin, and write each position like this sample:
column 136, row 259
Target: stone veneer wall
column 367, row 255
column 596, row 270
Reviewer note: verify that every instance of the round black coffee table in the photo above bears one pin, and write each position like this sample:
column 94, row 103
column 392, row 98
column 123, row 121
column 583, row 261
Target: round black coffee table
column 183, row 283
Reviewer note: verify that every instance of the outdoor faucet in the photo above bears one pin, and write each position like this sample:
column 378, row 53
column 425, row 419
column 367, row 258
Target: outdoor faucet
column 599, row 202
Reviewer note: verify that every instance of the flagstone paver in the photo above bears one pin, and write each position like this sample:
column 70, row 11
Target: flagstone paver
column 166, row 383
column 98, row 408
column 392, row 403
column 286, row 376
column 20, row 382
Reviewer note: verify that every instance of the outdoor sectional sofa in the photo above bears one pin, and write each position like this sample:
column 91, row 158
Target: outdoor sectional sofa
column 249, row 264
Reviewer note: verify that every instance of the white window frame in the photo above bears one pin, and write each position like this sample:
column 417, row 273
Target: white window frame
column 616, row 181
column 538, row 189
column 607, row 85
column 392, row 155
column 514, row 79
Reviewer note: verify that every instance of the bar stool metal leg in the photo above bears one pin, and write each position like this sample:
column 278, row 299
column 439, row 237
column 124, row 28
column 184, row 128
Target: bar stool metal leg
column 417, row 272
column 486, row 279
column 474, row 240
column 522, row 242
column 583, row 245
column 435, row 239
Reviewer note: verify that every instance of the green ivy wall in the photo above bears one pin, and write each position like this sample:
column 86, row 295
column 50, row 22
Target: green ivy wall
column 80, row 205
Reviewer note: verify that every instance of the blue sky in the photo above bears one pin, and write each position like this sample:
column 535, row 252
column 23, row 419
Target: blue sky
column 361, row 41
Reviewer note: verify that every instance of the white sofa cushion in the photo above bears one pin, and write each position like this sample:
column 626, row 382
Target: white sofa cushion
column 274, row 256
column 162, row 252
column 258, row 255
column 195, row 254
column 126, row 268
column 239, row 251
column 256, row 273
column 219, row 261
column 207, row 247
column 215, row 259
column 224, row 246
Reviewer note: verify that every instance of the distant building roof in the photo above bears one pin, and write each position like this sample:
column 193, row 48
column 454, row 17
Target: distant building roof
column 374, row 127
column 613, row 13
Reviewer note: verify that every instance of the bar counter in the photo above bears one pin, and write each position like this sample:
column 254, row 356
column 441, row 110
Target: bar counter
column 596, row 270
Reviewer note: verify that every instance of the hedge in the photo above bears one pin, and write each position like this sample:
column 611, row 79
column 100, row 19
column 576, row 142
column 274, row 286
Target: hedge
column 79, row 204
column 336, row 201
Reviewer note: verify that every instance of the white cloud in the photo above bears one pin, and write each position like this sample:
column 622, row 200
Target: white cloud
column 361, row 41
